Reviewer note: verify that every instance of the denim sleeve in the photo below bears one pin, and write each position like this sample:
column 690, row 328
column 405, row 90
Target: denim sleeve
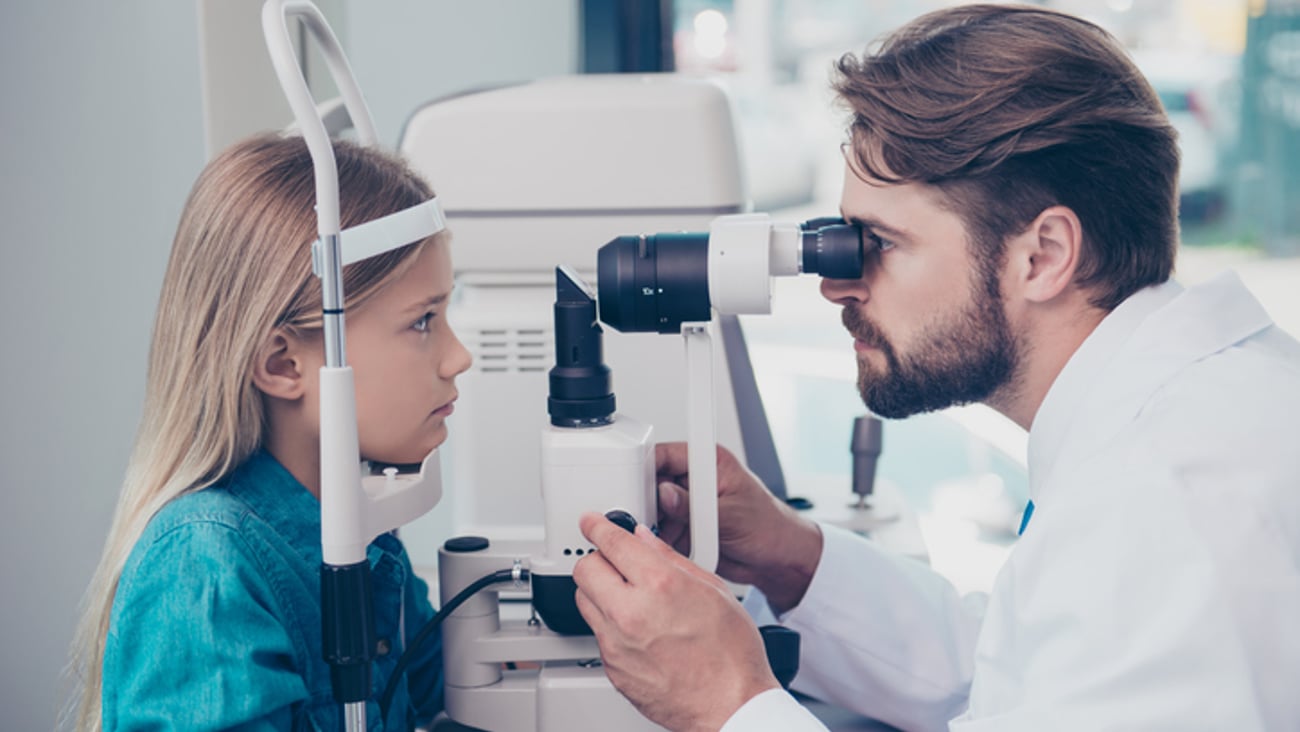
column 197, row 640
column 424, row 679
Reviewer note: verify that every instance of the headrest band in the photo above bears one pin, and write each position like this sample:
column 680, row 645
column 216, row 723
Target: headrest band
column 387, row 233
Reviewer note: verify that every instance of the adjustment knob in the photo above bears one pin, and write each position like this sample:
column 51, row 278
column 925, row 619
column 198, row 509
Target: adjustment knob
column 782, row 646
column 624, row 519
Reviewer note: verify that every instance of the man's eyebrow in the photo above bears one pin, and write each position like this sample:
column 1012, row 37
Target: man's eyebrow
column 876, row 226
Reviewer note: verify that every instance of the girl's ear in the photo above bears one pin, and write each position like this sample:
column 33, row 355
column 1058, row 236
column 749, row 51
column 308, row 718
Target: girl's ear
column 277, row 368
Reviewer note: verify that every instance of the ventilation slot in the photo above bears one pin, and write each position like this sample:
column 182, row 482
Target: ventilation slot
column 501, row 351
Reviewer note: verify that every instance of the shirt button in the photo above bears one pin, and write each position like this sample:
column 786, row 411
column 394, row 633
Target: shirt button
column 383, row 647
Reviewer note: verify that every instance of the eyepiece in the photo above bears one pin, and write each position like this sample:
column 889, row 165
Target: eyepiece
column 832, row 249
column 819, row 222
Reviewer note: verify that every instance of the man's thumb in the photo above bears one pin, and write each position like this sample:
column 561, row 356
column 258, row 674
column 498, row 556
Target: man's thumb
column 673, row 501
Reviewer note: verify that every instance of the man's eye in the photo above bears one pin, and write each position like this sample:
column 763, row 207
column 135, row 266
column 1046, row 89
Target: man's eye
column 422, row 324
column 879, row 244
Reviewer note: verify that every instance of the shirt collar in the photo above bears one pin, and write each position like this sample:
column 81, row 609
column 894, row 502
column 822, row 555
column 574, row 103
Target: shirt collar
column 271, row 491
column 1070, row 390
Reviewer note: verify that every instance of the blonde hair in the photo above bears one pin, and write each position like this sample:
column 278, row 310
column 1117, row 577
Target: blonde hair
column 240, row 267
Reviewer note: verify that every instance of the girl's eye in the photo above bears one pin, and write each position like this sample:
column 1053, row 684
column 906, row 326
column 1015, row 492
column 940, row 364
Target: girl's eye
column 422, row 325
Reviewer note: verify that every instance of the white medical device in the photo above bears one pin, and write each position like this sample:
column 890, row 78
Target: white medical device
column 597, row 460
column 354, row 510
column 540, row 174
column 658, row 283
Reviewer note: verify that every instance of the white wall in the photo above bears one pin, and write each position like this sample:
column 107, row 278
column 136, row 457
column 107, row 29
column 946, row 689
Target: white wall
column 101, row 136
column 442, row 47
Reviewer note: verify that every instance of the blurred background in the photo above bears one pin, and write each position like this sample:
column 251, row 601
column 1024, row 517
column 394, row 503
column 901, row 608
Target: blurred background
column 111, row 110
column 1226, row 70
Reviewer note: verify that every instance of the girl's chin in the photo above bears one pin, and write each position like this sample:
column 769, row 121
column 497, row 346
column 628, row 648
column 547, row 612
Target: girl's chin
column 413, row 454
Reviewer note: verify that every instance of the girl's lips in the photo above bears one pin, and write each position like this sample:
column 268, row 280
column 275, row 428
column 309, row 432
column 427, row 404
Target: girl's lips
column 446, row 409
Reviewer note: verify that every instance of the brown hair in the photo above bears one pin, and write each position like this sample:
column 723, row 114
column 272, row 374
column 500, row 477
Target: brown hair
column 1010, row 109
column 240, row 267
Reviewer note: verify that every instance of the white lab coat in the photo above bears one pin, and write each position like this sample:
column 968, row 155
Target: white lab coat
column 1157, row 586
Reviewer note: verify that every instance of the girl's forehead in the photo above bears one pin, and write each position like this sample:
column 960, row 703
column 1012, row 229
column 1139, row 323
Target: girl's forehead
column 424, row 277
column 431, row 268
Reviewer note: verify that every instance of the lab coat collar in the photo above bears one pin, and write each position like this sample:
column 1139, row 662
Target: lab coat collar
column 1134, row 349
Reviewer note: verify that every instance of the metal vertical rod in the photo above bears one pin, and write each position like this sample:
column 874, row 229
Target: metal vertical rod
column 354, row 717
column 701, row 445
column 331, row 284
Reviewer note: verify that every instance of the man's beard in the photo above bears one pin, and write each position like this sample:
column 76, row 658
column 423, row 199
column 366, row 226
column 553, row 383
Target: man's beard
column 965, row 359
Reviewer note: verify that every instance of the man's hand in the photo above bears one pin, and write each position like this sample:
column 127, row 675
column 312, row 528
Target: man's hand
column 672, row 638
column 761, row 541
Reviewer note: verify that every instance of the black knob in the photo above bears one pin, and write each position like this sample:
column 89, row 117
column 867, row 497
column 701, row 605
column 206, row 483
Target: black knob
column 461, row 544
column 623, row 519
column 782, row 646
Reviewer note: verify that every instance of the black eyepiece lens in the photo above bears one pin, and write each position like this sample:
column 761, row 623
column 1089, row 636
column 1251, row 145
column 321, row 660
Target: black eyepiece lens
column 832, row 248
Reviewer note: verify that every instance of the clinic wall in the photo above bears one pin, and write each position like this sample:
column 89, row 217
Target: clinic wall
column 101, row 139
column 443, row 47
column 103, row 135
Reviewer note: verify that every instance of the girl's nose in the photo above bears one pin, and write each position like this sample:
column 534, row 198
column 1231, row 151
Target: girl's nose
column 457, row 359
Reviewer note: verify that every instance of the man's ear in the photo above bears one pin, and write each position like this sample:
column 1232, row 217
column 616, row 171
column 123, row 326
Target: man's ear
column 277, row 369
column 1044, row 258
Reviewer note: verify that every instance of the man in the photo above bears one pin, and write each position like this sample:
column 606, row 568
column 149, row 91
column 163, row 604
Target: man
column 1018, row 177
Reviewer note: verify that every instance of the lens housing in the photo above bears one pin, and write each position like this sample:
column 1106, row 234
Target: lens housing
column 653, row 284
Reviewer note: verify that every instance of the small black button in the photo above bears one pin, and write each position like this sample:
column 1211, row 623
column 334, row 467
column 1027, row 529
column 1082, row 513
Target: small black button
column 799, row 503
column 623, row 519
column 461, row 544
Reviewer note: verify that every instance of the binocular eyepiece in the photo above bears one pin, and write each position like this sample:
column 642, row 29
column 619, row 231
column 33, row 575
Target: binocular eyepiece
column 656, row 282
column 832, row 248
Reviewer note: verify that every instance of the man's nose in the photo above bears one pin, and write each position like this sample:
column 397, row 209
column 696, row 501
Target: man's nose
column 842, row 292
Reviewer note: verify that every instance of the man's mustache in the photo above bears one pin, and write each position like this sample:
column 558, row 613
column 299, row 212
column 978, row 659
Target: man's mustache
column 861, row 328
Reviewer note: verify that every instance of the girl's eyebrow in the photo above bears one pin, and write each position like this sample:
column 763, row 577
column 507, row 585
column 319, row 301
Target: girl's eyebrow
column 429, row 302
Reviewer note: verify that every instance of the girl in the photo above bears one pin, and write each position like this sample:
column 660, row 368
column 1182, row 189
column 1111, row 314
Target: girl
column 204, row 612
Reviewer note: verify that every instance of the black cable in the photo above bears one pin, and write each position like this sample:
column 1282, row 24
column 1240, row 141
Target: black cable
column 504, row 575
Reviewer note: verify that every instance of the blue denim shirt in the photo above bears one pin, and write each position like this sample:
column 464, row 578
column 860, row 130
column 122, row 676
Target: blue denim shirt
column 217, row 619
